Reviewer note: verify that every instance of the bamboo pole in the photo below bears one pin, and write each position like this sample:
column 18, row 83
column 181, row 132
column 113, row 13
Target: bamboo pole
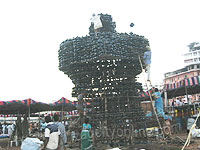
column 29, row 109
column 62, row 114
column 151, row 100
column 187, row 142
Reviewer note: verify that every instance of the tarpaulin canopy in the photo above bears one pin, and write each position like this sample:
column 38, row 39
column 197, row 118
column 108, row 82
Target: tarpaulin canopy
column 185, row 82
column 32, row 106
column 183, row 91
column 63, row 104
column 26, row 102
column 146, row 95
column 63, row 101
column 22, row 106
column 183, row 87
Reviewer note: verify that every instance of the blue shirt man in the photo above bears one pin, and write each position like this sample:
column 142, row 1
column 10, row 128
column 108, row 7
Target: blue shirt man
column 147, row 61
column 147, row 56
column 167, row 117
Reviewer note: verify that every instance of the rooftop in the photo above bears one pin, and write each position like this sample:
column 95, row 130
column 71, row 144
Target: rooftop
column 186, row 69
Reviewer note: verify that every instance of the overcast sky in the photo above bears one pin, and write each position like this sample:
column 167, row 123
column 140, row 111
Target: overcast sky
column 31, row 32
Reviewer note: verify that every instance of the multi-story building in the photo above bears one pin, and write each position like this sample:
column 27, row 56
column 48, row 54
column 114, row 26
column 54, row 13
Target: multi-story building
column 181, row 74
column 191, row 68
column 193, row 56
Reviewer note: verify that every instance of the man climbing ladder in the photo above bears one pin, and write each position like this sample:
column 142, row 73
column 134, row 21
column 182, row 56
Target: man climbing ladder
column 147, row 61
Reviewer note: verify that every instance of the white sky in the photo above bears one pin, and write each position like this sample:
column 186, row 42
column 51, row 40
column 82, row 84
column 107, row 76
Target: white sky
column 31, row 31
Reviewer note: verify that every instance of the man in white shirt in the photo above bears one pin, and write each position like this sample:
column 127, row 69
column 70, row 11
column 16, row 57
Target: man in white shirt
column 4, row 126
column 66, row 123
column 96, row 21
column 181, row 103
column 52, row 135
column 10, row 129
column 177, row 102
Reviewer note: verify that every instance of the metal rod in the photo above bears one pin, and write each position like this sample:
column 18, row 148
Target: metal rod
column 29, row 112
column 62, row 114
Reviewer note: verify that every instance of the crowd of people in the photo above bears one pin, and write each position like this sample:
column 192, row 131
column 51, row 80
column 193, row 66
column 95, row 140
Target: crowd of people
column 178, row 102
column 51, row 130
column 56, row 136
column 7, row 128
column 19, row 128
column 54, row 130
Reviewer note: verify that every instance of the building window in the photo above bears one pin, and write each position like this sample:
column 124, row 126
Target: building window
column 188, row 61
column 195, row 53
column 192, row 67
column 185, row 76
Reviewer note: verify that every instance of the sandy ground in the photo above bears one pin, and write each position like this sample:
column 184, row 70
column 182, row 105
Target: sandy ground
column 151, row 146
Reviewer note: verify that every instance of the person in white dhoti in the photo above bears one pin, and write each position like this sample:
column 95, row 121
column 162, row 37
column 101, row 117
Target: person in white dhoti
column 96, row 21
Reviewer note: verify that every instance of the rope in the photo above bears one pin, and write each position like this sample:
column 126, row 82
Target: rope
column 151, row 99
column 187, row 142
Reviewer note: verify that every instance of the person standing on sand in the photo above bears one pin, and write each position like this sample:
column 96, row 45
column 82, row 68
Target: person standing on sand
column 52, row 135
column 63, row 136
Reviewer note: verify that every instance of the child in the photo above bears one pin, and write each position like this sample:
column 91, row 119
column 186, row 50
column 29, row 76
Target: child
column 167, row 123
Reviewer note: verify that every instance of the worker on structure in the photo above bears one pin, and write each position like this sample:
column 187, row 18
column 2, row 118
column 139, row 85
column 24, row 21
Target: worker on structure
column 96, row 21
column 158, row 103
column 147, row 61
column 80, row 107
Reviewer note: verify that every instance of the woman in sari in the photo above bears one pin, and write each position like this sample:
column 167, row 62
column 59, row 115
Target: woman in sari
column 86, row 140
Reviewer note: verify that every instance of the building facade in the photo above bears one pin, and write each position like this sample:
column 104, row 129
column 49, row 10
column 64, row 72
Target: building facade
column 193, row 56
column 191, row 68
column 181, row 74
